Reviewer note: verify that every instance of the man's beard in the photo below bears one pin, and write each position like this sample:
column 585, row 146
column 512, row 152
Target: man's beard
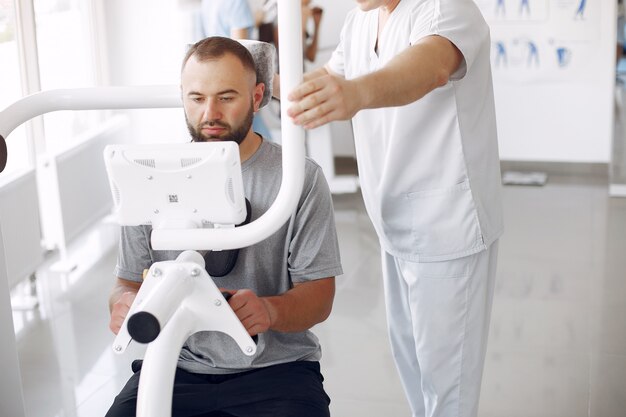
column 236, row 135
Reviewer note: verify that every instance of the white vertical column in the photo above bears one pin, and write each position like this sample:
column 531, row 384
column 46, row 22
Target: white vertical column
column 11, row 398
column 29, row 64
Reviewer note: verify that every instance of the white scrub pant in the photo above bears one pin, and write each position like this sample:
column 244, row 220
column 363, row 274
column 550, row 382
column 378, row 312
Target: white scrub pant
column 438, row 315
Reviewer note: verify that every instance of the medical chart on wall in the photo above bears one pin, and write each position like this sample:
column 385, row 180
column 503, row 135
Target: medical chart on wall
column 544, row 40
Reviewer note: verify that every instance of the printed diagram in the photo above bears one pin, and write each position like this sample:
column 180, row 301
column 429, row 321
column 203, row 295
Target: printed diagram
column 580, row 12
column 501, row 58
column 549, row 11
column 500, row 8
column 544, row 41
column 524, row 8
column 533, row 54
column 577, row 15
column 514, row 10
column 563, row 56
column 522, row 54
column 519, row 53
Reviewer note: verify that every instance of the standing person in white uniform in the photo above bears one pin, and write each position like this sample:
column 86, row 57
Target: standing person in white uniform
column 229, row 18
column 415, row 77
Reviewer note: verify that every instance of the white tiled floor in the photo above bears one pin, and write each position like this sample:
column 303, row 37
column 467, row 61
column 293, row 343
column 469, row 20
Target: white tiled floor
column 558, row 334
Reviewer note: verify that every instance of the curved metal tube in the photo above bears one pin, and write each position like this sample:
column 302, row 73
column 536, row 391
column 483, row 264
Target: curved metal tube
column 98, row 98
column 92, row 98
column 290, row 62
column 156, row 383
column 166, row 351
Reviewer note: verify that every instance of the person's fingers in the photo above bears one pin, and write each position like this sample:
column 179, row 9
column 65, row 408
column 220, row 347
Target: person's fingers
column 238, row 300
column 245, row 304
column 314, row 113
column 256, row 323
column 116, row 322
column 314, row 106
column 114, row 326
column 127, row 298
column 245, row 313
column 120, row 310
column 307, row 108
column 226, row 290
column 251, row 311
column 308, row 76
column 327, row 118
column 306, row 88
column 256, row 329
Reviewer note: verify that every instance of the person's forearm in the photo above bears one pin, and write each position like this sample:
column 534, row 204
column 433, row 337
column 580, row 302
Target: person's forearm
column 240, row 33
column 302, row 307
column 410, row 75
column 311, row 48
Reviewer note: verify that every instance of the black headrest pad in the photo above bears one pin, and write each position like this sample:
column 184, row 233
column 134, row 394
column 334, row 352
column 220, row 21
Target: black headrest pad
column 220, row 263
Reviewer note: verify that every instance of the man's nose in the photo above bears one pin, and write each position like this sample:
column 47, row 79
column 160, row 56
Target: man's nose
column 211, row 111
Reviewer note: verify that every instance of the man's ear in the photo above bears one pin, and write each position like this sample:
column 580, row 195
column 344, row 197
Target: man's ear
column 259, row 89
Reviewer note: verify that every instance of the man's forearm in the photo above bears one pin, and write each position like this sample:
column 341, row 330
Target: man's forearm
column 411, row 75
column 311, row 48
column 239, row 33
column 302, row 307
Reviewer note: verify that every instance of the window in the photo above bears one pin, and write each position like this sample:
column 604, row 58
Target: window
column 10, row 87
column 66, row 51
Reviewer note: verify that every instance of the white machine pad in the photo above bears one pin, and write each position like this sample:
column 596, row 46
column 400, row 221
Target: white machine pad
column 186, row 185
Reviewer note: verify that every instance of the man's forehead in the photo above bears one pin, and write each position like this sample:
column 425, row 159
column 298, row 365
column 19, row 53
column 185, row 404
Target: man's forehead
column 226, row 63
column 226, row 70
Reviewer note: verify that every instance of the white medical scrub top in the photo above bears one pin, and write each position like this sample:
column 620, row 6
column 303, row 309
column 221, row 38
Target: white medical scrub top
column 429, row 171
column 219, row 17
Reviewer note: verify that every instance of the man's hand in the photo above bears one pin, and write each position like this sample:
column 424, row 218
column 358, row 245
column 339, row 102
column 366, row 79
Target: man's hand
column 296, row 310
column 119, row 310
column 252, row 310
column 322, row 99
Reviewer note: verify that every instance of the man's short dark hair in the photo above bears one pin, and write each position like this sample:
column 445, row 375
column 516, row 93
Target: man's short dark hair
column 215, row 47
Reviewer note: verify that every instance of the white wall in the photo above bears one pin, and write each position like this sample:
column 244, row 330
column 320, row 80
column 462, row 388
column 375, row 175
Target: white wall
column 553, row 110
column 146, row 41
column 19, row 216
column 560, row 123
column 332, row 20
column 546, row 114
column 11, row 397
column 544, row 117
column 330, row 30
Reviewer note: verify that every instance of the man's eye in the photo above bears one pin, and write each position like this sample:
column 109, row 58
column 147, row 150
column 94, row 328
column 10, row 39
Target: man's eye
column 197, row 99
column 226, row 99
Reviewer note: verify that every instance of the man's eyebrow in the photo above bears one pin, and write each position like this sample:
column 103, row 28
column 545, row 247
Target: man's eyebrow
column 229, row 91
column 219, row 93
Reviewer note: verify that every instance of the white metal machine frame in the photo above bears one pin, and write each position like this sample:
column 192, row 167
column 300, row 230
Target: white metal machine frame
column 182, row 320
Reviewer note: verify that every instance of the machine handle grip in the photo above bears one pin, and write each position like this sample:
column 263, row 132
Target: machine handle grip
column 143, row 327
column 227, row 296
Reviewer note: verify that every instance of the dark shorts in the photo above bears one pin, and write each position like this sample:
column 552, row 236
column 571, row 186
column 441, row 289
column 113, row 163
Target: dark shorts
column 292, row 389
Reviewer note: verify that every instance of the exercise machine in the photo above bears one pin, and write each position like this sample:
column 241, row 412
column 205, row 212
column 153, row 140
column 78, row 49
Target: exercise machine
column 101, row 98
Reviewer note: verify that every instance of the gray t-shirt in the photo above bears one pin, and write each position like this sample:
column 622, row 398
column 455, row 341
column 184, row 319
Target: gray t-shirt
column 304, row 249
